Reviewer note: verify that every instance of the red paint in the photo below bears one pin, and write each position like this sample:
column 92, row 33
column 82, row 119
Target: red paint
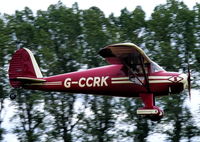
column 112, row 71
column 20, row 66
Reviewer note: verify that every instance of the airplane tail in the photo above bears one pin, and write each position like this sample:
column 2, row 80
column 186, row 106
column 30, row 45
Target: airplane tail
column 23, row 68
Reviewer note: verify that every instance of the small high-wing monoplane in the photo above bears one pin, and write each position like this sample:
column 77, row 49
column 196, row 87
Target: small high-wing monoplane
column 131, row 74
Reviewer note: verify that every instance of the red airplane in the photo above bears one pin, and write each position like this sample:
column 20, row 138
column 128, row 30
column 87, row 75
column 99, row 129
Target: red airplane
column 131, row 74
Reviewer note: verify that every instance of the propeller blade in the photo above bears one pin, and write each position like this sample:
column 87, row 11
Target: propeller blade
column 189, row 78
column 189, row 84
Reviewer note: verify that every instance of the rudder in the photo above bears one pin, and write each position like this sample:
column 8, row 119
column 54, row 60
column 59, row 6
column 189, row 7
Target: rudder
column 23, row 64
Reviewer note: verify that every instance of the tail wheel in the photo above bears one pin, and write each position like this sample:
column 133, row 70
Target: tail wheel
column 13, row 96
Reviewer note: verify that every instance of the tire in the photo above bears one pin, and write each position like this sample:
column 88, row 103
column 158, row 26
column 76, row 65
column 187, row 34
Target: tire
column 13, row 96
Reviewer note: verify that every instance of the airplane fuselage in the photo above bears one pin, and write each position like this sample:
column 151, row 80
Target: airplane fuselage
column 111, row 80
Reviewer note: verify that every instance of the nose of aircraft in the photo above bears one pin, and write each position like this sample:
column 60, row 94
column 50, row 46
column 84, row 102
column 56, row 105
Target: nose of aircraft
column 184, row 80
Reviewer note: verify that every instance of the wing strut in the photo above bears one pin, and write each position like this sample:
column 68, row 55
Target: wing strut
column 145, row 75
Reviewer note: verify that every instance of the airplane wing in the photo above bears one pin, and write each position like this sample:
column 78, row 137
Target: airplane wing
column 118, row 53
column 129, row 55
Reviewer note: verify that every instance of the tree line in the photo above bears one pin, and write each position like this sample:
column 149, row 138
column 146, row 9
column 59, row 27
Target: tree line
column 66, row 39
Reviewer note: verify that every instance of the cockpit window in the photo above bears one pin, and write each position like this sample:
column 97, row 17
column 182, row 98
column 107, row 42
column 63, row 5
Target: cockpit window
column 155, row 67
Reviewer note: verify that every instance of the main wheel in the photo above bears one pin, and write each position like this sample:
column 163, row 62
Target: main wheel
column 156, row 117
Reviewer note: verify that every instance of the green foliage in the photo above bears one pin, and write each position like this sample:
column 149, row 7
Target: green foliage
column 94, row 35
column 97, row 126
column 142, row 126
column 131, row 25
column 29, row 116
column 61, row 108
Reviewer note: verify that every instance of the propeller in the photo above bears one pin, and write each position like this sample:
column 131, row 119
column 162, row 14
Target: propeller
column 189, row 78
column 189, row 81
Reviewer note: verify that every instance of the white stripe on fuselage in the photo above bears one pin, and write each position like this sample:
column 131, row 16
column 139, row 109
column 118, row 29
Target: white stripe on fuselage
column 152, row 79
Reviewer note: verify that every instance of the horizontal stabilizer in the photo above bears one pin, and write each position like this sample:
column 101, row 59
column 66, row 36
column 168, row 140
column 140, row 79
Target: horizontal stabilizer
column 28, row 79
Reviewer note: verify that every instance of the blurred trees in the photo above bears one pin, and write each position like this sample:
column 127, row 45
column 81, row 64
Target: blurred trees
column 4, row 41
column 29, row 116
column 61, row 27
column 172, row 27
column 95, row 36
column 68, row 39
column 131, row 27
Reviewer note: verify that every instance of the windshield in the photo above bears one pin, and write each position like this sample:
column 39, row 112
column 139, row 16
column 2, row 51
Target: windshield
column 155, row 67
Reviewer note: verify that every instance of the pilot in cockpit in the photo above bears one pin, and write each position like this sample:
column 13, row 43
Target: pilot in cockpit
column 134, row 63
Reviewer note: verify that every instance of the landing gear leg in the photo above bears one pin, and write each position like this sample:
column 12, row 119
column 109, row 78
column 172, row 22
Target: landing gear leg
column 150, row 110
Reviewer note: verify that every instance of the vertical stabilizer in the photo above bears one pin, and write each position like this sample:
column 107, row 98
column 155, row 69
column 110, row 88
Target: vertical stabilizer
column 23, row 64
